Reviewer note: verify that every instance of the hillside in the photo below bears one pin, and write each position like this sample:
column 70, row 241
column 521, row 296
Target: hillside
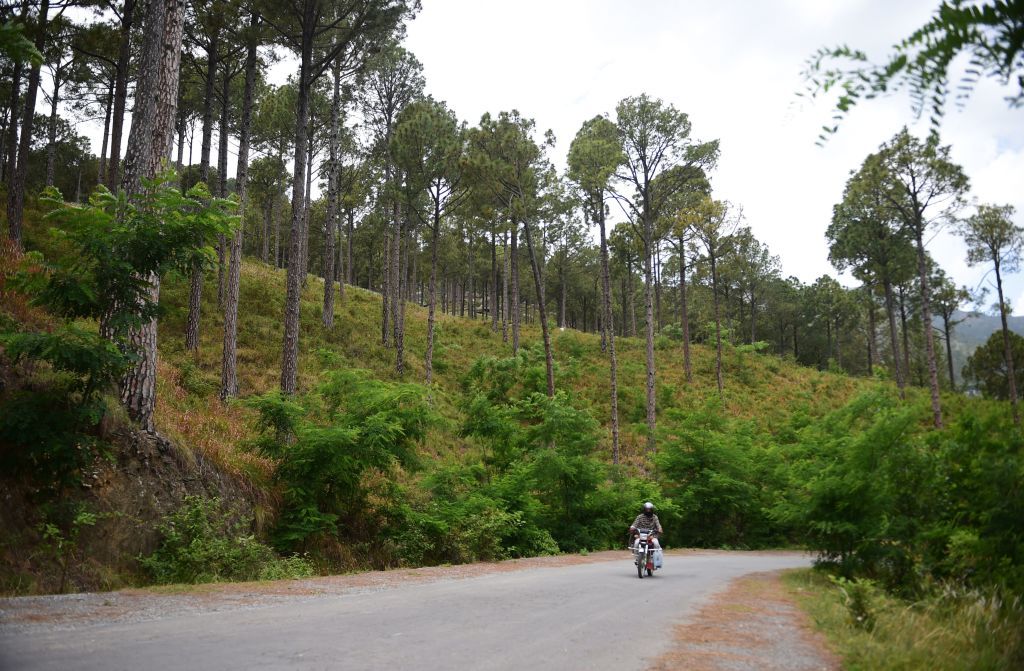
column 760, row 388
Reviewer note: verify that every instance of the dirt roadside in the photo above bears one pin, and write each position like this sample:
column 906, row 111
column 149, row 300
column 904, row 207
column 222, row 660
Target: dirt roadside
column 754, row 625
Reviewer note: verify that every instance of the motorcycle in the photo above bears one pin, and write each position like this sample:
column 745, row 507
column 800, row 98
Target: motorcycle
column 643, row 553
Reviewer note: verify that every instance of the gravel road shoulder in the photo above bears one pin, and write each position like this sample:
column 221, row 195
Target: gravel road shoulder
column 754, row 625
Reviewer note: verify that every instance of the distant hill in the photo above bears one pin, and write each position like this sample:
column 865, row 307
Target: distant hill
column 972, row 331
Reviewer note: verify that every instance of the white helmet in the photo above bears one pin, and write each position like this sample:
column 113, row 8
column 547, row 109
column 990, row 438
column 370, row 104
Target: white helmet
column 648, row 507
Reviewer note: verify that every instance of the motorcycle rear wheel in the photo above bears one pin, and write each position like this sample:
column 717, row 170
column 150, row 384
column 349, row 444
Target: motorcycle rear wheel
column 639, row 568
column 650, row 572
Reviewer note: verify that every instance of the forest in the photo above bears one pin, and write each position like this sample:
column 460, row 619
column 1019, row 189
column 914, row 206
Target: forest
column 384, row 319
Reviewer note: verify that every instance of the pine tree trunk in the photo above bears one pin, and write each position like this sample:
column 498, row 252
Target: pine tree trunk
column 494, row 283
column 102, row 177
column 229, row 359
column 514, row 299
column 949, row 348
column 718, row 326
column 608, row 328
column 400, row 287
column 385, row 294
column 649, row 332
column 222, row 174
column 51, row 146
column 504, row 287
column 657, row 284
column 277, row 231
column 429, row 358
column 332, row 199
column 11, row 148
column 290, row 346
column 268, row 213
column 906, row 335
column 890, row 309
column 149, row 142
column 871, row 332
column 549, row 362
column 349, row 266
column 684, row 314
column 121, row 72
column 929, row 335
column 16, row 185
column 1007, row 349
column 307, row 209
column 195, row 294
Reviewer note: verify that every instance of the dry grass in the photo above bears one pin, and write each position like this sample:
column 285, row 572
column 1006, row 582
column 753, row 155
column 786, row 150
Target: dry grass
column 947, row 631
column 759, row 388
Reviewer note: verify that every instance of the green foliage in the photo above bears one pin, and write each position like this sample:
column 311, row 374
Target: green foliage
column 324, row 443
column 61, row 540
column 707, row 463
column 108, row 251
column 986, row 368
column 988, row 33
column 948, row 628
column 206, row 541
column 859, row 595
column 878, row 496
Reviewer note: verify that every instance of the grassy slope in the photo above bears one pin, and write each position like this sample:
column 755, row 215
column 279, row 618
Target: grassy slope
column 761, row 388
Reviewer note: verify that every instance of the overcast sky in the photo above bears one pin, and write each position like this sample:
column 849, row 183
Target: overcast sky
column 734, row 67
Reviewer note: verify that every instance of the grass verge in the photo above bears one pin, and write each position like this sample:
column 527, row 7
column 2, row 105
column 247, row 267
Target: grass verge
column 949, row 630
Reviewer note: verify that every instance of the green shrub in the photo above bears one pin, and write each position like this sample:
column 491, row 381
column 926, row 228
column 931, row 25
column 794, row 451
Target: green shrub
column 206, row 541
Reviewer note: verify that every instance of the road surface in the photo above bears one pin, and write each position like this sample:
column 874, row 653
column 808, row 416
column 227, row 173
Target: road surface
column 595, row 615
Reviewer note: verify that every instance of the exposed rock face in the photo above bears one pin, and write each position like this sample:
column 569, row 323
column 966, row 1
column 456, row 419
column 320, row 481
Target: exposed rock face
column 145, row 478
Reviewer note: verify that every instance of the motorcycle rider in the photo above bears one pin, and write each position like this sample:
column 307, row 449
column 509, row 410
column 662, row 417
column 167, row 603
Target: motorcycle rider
column 647, row 519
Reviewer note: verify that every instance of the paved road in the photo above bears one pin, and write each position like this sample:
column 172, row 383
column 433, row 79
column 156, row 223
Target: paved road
column 587, row 616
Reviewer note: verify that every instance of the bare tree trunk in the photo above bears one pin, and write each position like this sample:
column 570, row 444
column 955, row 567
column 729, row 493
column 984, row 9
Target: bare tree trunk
column 16, row 185
column 400, row 283
column 229, row 359
column 657, row 283
column 429, row 358
column 11, row 151
column 890, row 309
column 222, row 173
column 307, row 208
column 268, row 213
column 494, row 283
column 385, row 294
column 149, row 141
column 121, row 72
column 929, row 335
column 277, row 232
column 195, row 294
column 948, row 331
column 290, row 348
column 102, row 177
column 1007, row 349
column 51, row 146
column 332, row 199
column 350, row 267
column 608, row 328
column 684, row 315
column 872, row 329
column 549, row 362
column 504, row 287
column 718, row 325
column 649, row 332
column 514, row 300
column 906, row 335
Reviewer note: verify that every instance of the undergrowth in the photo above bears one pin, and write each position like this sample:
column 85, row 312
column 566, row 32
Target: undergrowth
column 947, row 629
